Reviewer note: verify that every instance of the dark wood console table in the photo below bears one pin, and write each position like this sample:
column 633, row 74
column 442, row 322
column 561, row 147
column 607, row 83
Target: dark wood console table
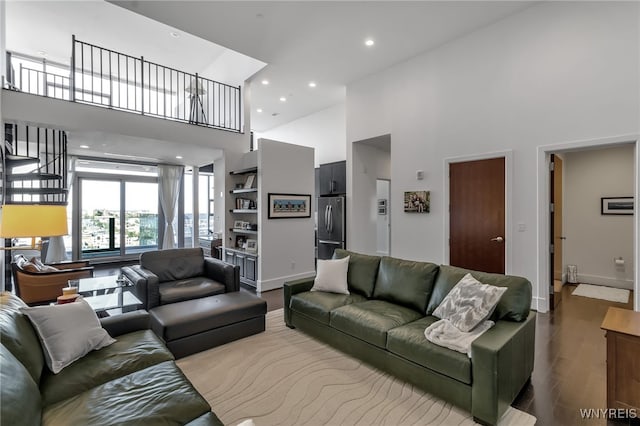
column 622, row 328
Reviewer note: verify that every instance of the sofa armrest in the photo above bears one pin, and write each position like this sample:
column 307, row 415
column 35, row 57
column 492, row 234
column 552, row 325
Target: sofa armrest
column 502, row 362
column 71, row 264
column 126, row 323
column 223, row 272
column 291, row 288
column 145, row 285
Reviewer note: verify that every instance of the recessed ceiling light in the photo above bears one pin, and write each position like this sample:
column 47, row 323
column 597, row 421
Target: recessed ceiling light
column 259, row 110
column 84, row 146
column 42, row 53
column 312, row 84
column 179, row 157
column 265, row 82
column 369, row 42
column 283, row 99
column 174, row 34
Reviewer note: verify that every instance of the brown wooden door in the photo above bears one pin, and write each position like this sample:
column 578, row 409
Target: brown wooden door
column 557, row 239
column 477, row 214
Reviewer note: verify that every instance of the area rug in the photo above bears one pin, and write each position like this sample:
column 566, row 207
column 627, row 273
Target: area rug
column 601, row 292
column 284, row 377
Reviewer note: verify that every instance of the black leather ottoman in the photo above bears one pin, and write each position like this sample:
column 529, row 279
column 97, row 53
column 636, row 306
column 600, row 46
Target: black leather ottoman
column 195, row 325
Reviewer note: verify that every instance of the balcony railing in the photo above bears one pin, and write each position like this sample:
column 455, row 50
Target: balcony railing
column 110, row 79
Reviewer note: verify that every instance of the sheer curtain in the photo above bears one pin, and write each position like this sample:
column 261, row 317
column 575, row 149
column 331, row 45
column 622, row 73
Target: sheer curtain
column 56, row 251
column 169, row 188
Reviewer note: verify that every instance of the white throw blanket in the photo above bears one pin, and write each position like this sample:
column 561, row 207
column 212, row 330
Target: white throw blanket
column 443, row 333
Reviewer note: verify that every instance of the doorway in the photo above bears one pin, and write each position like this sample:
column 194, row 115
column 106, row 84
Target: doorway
column 603, row 247
column 383, row 231
column 477, row 214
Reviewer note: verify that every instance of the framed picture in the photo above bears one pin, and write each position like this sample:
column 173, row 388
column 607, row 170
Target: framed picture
column 238, row 224
column 417, row 201
column 241, row 241
column 289, row 206
column 249, row 182
column 616, row 205
column 252, row 246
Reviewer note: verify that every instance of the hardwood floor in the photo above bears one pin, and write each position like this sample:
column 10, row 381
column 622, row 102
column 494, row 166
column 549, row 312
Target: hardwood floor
column 570, row 360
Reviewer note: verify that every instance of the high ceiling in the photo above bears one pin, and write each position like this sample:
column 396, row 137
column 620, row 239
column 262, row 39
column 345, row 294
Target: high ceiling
column 299, row 41
column 321, row 41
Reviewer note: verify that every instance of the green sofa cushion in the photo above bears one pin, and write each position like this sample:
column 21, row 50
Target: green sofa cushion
column 514, row 304
column 362, row 273
column 409, row 342
column 405, row 282
column 18, row 335
column 318, row 304
column 157, row 395
column 20, row 402
column 371, row 320
column 131, row 352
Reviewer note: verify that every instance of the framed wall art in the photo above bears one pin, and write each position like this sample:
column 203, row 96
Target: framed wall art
column 616, row 205
column 417, row 201
column 289, row 206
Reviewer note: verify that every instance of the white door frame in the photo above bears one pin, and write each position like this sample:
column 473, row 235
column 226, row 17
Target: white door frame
column 508, row 193
column 543, row 263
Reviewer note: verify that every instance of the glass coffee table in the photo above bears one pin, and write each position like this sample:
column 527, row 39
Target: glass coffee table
column 108, row 294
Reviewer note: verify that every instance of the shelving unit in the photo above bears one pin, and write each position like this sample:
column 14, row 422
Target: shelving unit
column 235, row 253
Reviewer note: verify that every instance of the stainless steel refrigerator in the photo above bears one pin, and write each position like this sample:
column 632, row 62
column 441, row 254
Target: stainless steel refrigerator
column 331, row 225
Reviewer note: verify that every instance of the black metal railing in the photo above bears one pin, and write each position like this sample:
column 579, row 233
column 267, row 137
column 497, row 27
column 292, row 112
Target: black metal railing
column 111, row 79
column 116, row 80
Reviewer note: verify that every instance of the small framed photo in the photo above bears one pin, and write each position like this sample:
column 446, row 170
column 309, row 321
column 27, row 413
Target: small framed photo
column 417, row 201
column 241, row 241
column 252, row 246
column 249, row 182
column 238, row 224
column 616, row 206
column 289, row 206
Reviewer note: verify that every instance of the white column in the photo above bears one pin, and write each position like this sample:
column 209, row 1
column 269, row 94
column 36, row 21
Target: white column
column 196, row 206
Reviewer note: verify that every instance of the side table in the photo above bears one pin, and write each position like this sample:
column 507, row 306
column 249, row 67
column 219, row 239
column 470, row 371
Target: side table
column 622, row 328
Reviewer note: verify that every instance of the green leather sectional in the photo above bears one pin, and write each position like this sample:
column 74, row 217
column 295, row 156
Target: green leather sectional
column 382, row 322
column 133, row 381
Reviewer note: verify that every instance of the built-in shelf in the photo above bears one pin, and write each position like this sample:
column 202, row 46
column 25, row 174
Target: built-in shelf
column 243, row 231
column 243, row 190
column 244, row 171
column 244, row 211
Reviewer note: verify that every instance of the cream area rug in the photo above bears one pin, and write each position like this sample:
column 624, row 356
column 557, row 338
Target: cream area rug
column 619, row 295
column 284, row 377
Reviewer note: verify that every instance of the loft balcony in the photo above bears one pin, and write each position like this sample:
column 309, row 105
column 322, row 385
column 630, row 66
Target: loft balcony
column 105, row 78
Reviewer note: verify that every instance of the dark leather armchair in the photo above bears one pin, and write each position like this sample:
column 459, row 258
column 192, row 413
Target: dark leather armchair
column 175, row 275
column 38, row 283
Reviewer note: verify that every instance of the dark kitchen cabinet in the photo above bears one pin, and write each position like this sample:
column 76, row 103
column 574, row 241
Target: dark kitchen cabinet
column 333, row 178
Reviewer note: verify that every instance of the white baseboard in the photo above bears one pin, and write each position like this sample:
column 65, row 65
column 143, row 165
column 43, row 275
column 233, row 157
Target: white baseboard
column 538, row 304
column 606, row 281
column 274, row 283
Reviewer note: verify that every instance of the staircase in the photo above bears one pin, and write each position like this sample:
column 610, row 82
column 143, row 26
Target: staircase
column 33, row 169
column 34, row 163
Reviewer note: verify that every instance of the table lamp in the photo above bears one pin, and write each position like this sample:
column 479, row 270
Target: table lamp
column 31, row 221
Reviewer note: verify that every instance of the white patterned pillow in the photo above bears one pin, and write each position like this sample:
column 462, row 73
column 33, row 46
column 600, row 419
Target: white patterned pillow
column 469, row 303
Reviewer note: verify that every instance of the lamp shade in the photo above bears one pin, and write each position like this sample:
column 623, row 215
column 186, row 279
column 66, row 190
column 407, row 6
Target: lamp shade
column 33, row 220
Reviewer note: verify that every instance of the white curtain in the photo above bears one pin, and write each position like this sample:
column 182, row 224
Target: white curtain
column 169, row 181
column 56, row 251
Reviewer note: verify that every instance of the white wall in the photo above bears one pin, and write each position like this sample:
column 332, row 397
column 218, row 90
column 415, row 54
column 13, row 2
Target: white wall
column 324, row 130
column 369, row 165
column 285, row 246
column 595, row 240
column 555, row 72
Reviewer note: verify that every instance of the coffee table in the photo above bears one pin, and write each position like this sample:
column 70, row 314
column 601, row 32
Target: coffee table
column 108, row 294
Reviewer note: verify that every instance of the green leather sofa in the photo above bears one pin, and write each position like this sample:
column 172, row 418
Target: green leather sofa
column 133, row 381
column 382, row 322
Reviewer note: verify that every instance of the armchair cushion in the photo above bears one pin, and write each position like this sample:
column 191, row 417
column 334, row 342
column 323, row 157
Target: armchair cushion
column 174, row 264
column 191, row 288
